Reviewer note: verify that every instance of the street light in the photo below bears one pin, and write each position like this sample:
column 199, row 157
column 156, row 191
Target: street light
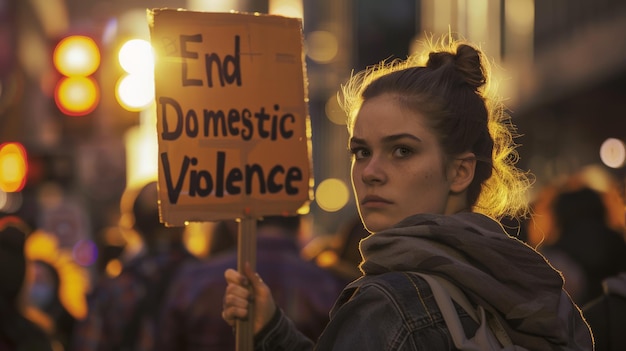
column 135, row 89
column 76, row 58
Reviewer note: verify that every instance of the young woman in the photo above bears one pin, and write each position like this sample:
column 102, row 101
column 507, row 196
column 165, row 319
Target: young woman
column 433, row 169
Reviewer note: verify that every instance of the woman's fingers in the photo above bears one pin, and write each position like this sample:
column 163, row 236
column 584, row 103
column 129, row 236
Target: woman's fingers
column 232, row 276
column 236, row 298
column 245, row 291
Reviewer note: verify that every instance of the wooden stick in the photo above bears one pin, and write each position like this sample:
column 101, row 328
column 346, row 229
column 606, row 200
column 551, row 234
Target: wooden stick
column 246, row 248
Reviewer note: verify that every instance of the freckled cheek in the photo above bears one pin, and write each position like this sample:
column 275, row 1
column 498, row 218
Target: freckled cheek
column 420, row 174
column 424, row 181
column 430, row 174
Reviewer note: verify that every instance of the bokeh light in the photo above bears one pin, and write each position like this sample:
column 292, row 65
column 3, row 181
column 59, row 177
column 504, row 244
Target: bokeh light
column 10, row 202
column 76, row 55
column 142, row 150
column 13, row 167
column 77, row 95
column 327, row 259
column 135, row 90
column 613, row 153
column 136, row 56
column 85, row 252
column 113, row 268
column 196, row 239
column 520, row 16
column 334, row 112
column 214, row 5
column 332, row 195
column 4, row 200
column 322, row 46
column 41, row 245
column 287, row 8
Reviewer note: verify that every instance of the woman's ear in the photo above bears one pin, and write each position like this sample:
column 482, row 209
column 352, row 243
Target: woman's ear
column 462, row 172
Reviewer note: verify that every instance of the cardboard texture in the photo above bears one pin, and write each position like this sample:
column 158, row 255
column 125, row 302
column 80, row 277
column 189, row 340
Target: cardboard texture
column 232, row 117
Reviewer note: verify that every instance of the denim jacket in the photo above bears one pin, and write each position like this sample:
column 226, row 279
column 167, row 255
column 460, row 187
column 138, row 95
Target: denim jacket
column 392, row 311
column 381, row 312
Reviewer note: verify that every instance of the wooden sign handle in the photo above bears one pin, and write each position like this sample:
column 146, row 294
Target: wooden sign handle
column 246, row 248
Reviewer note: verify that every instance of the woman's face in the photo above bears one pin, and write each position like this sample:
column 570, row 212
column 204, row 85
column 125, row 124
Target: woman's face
column 397, row 164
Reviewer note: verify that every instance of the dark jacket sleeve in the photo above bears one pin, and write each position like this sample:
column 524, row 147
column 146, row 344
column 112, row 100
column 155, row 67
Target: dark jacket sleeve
column 281, row 334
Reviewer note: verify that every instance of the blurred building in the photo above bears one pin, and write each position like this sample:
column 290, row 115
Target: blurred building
column 573, row 96
column 564, row 74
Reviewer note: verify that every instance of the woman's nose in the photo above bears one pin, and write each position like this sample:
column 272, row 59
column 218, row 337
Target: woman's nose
column 374, row 171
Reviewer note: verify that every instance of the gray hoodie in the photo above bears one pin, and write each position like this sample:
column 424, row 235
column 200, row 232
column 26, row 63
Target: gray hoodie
column 494, row 270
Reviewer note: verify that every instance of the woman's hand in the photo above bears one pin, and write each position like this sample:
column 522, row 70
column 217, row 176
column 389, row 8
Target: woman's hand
column 243, row 291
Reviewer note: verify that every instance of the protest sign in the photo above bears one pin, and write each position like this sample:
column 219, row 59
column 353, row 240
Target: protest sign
column 232, row 117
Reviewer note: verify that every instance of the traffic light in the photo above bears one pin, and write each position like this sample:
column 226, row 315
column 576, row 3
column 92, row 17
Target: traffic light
column 76, row 58
column 13, row 167
column 135, row 88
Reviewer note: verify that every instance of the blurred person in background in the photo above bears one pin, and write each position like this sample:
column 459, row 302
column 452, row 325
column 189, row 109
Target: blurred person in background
column 17, row 332
column 584, row 248
column 56, row 285
column 192, row 316
column 223, row 238
column 606, row 314
column 44, row 292
column 579, row 225
column 122, row 310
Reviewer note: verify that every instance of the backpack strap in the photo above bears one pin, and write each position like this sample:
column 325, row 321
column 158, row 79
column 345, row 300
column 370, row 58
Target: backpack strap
column 459, row 297
column 455, row 293
column 490, row 331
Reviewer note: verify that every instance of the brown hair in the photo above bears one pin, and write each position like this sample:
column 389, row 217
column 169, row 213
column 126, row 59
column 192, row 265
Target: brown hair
column 450, row 84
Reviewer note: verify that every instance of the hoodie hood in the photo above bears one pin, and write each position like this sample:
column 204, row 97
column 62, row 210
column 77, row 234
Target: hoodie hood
column 497, row 271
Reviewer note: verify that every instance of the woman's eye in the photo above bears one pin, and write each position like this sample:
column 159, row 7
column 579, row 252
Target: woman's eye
column 402, row 151
column 359, row 153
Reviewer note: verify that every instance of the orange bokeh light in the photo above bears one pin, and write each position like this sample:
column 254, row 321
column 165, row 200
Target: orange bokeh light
column 76, row 55
column 77, row 96
column 13, row 167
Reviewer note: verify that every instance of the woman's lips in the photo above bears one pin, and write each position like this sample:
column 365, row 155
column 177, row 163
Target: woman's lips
column 374, row 201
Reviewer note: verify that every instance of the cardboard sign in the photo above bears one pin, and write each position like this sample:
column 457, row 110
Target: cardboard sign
column 233, row 127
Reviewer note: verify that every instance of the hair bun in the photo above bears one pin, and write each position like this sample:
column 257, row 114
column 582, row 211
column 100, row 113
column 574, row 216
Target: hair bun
column 439, row 59
column 468, row 62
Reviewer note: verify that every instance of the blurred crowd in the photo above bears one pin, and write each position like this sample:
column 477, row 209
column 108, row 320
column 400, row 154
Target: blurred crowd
column 156, row 292
column 152, row 289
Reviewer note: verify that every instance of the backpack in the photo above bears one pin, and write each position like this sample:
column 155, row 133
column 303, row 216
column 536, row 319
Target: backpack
column 490, row 334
